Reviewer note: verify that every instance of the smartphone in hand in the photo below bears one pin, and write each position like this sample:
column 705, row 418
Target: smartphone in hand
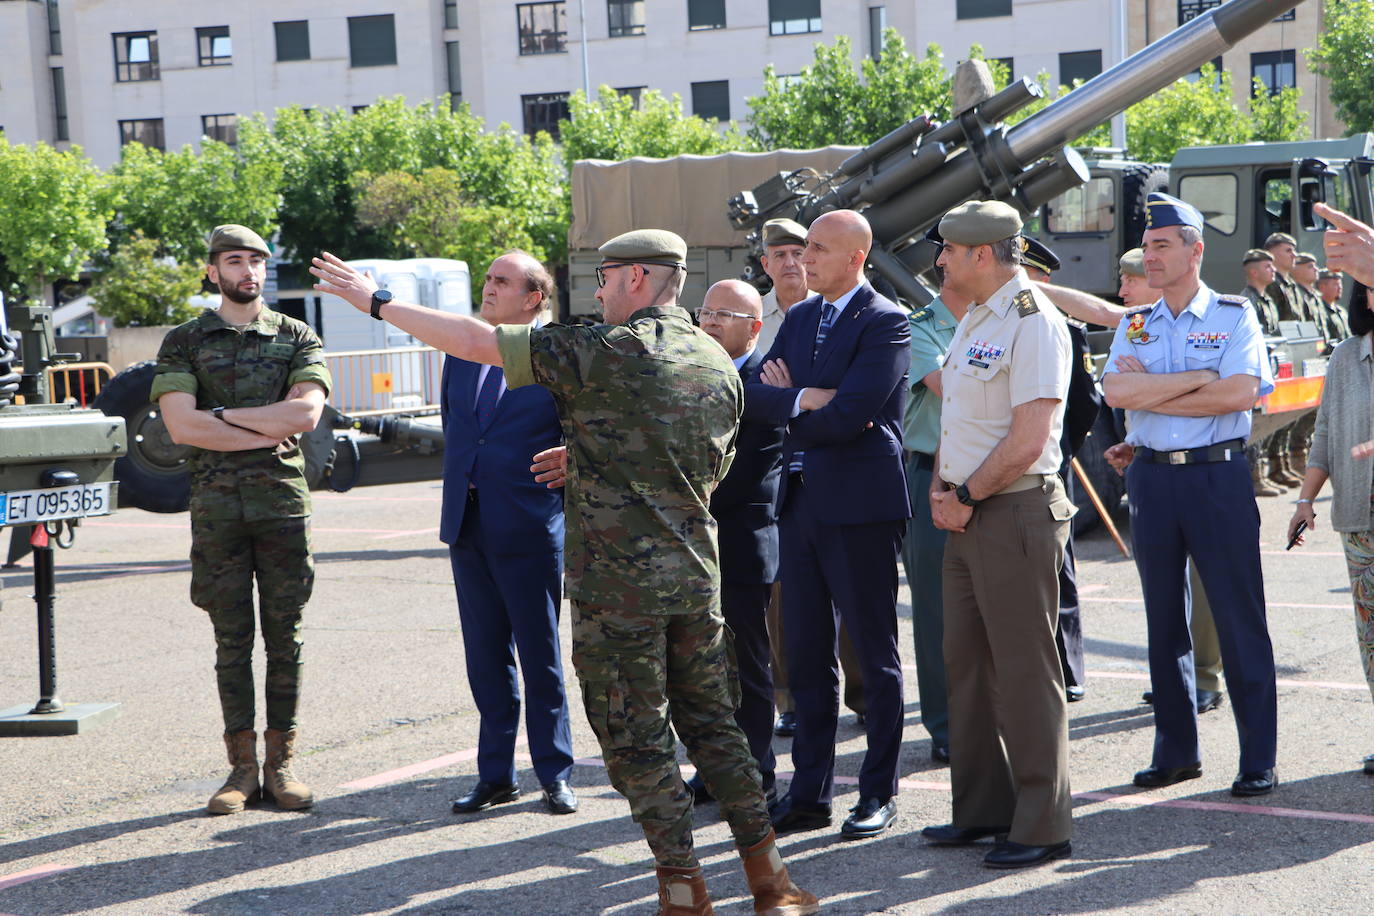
column 1297, row 533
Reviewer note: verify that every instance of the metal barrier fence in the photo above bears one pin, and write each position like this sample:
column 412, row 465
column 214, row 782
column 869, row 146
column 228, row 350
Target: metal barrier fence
column 398, row 380
column 77, row 382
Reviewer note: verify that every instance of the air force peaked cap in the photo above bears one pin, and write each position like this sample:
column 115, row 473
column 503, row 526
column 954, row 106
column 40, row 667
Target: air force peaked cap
column 783, row 231
column 1038, row 255
column 232, row 237
column 647, row 246
column 1132, row 263
column 1161, row 211
column 980, row 222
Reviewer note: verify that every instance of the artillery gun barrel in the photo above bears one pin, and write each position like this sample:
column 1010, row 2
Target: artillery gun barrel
column 892, row 142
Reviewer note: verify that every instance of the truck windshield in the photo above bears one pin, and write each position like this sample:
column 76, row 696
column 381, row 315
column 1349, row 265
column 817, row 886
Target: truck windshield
column 1087, row 208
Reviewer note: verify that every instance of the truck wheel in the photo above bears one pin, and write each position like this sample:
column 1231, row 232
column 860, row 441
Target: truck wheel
column 154, row 475
column 1110, row 487
column 1137, row 183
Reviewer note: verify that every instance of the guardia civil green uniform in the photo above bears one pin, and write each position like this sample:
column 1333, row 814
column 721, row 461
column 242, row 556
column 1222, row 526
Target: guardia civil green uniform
column 250, row 510
column 649, row 410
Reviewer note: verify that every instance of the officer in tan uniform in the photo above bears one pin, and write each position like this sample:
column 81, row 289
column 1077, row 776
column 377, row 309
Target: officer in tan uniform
column 998, row 494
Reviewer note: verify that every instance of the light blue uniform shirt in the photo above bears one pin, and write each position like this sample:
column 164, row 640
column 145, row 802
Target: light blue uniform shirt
column 1214, row 332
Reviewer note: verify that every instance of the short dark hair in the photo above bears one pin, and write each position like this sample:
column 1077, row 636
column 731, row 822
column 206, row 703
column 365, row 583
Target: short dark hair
column 1361, row 318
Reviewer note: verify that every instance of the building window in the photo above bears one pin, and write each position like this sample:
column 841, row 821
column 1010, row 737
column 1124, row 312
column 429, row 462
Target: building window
column 371, row 41
column 543, row 111
column 214, row 46
column 793, row 17
column 135, row 56
column 711, row 100
column 293, row 40
column 1194, row 75
column 455, row 75
column 626, row 17
column 543, row 27
column 54, row 29
column 450, row 14
column 633, row 93
column 221, row 127
column 877, row 23
column 147, row 131
column 705, row 14
column 1191, row 9
column 59, row 104
column 981, row 9
column 1275, row 69
column 1079, row 65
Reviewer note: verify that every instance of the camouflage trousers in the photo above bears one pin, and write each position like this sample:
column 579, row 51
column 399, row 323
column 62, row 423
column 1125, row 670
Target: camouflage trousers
column 226, row 556
column 1359, row 560
column 641, row 673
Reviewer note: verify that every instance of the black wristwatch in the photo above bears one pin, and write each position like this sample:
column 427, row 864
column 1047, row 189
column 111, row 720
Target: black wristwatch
column 218, row 413
column 962, row 494
column 380, row 298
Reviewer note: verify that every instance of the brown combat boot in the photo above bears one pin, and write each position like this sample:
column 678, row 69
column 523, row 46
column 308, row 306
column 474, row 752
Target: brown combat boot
column 1259, row 470
column 1280, row 473
column 277, row 778
column 241, row 788
column 773, row 890
column 682, row 892
column 1297, row 463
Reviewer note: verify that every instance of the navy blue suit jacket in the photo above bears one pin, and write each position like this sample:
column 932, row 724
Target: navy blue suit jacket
column 519, row 515
column 744, row 504
column 853, row 471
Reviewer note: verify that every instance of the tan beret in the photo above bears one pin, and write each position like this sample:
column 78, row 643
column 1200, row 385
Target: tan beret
column 1256, row 254
column 1304, row 257
column 647, row 246
column 784, row 231
column 1132, row 263
column 980, row 222
column 1278, row 238
column 231, row 237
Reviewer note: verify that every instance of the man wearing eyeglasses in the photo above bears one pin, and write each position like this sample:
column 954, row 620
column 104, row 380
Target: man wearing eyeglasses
column 650, row 407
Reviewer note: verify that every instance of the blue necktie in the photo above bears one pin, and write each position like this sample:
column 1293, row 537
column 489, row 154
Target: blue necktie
column 488, row 396
column 828, row 314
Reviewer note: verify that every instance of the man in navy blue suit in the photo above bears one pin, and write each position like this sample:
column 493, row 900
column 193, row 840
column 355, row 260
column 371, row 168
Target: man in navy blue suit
column 505, row 535
column 837, row 376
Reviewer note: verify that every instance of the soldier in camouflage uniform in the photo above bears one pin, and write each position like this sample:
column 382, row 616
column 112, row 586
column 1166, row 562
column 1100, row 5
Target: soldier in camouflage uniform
column 649, row 406
column 240, row 384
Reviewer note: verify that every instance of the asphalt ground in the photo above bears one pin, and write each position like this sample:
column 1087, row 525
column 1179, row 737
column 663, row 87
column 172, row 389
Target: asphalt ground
column 112, row 820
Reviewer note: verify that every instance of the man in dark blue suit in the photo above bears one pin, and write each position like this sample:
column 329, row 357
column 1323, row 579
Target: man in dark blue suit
column 505, row 535
column 837, row 376
column 744, row 510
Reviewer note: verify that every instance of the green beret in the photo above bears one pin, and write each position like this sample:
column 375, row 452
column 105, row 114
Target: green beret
column 784, row 231
column 1256, row 254
column 1278, row 238
column 647, row 246
column 1132, row 263
column 980, row 222
column 231, row 237
column 1304, row 257
column 1325, row 274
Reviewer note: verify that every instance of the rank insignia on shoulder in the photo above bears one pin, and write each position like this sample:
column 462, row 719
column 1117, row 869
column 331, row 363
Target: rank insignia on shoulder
column 923, row 314
column 1233, row 300
column 1025, row 303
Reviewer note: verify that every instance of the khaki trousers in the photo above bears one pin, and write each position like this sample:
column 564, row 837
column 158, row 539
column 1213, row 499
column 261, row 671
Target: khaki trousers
column 849, row 662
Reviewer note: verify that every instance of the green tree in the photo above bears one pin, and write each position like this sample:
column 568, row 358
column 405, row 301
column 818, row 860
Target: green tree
column 611, row 127
column 52, row 217
column 1276, row 118
column 1345, row 55
column 1196, row 113
column 141, row 286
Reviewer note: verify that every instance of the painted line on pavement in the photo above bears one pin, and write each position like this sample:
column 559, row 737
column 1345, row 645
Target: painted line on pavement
column 1282, row 682
column 407, row 534
column 416, row 769
column 1138, row 599
column 31, row 874
column 1140, row 801
column 330, row 497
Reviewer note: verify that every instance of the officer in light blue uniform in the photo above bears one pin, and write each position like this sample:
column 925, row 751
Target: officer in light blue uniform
column 1188, row 370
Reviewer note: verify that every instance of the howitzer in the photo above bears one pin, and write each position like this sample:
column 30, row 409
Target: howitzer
column 906, row 181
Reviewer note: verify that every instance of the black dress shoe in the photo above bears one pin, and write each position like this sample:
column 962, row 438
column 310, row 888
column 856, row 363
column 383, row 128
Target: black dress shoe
column 1074, row 694
column 869, row 817
column 1148, row 697
column 559, row 797
column 787, row 725
column 939, row 753
column 1018, row 855
column 791, row 816
column 950, row 835
column 860, row 720
column 1260, row 782
column 484, row 795
column 1207, row 700
column 1369, row 765
column 700, row 794
column 1153, row 777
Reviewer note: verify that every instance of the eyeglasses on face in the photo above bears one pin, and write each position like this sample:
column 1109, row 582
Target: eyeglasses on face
column 601, row 271
column 720, row 315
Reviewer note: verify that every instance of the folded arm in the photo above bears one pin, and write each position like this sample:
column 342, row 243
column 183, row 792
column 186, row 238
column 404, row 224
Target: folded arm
column 1023, row 443
column 1131, row 387
column 188, row 426
column 1223, row 396
column 883, row 357
column 298, row 412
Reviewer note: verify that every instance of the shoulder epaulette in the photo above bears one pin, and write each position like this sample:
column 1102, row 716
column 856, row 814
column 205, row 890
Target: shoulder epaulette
column 923, row 314
column 1233, row 300
column 1025, row 304
column 1138, row 309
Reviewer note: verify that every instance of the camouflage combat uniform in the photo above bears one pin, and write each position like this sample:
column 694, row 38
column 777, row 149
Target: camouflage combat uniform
column 649, row 410
column 250, row 510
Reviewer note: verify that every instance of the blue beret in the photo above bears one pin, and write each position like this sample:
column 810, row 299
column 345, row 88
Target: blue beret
column 1161, row 210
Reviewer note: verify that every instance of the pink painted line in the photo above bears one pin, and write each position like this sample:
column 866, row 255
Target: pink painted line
column 407, row 534
column 340, row 497
column 1137, row 599
column 32, row 874
column 96, row 523
column 415, row 769
column 1228, row 807
column 1301, row 553
column 1282, row 682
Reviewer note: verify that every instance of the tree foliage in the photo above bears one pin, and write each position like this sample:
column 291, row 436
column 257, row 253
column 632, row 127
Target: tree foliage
column 612, row 127
column 52, row 217
column 142, row 286
column 1345, row 55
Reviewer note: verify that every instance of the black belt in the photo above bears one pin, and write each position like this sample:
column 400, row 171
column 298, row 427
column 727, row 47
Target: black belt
column 923, row 461
column 1206, row 454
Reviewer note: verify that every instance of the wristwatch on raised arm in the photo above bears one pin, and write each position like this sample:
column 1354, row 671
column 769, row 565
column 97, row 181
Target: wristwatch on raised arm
column 380, row 298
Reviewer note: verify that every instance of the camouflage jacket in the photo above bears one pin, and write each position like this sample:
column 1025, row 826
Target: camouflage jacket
column 1265, row 309
column 224, row 367
column 650, row 411
column 1288, row 296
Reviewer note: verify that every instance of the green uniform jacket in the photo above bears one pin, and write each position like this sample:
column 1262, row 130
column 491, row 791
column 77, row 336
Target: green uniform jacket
column 1265, row 309
column 225, row 367
column 932, row 329
column 649, row 410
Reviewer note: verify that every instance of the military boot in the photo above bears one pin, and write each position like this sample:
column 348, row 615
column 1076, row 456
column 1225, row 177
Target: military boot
column 1280, row 473
column 773, row 890
column 682, row 892
column 277, row 778
column 1259, row 470
column 1297, row 462
column 241, row 788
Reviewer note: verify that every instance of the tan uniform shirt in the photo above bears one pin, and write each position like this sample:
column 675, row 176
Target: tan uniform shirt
column 772, row 318
column 1011, row 350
